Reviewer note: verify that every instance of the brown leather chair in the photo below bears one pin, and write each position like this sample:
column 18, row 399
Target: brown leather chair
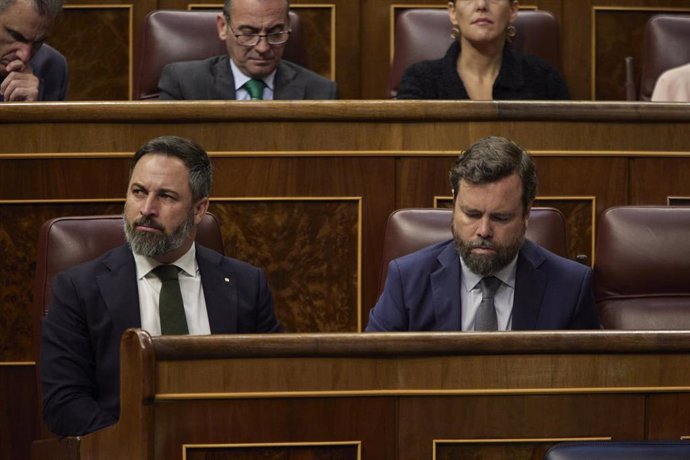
column 642, row 268
column 424, row 33
column 620, row 450
column 666, row 45
column 176, row 35
column 408, row 230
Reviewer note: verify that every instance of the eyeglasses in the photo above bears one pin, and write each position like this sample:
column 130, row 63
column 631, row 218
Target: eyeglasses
column 249, row 40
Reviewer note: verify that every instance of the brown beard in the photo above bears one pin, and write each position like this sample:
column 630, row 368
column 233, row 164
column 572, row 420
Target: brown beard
column 486, row 264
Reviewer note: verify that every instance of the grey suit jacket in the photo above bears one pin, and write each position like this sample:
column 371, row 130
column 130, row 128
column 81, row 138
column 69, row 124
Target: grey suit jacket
column 94, row 303
column 51, row 69
column 212, row 79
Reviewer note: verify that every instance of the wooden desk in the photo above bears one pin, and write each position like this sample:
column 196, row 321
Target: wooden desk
column 394, row 396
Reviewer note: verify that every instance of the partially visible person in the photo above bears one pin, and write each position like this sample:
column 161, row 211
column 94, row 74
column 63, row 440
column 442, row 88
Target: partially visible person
column 94, row 303
column 488, row 277
column 673, row 85
column 255, row 33
column 480, row 64
column 29, row 70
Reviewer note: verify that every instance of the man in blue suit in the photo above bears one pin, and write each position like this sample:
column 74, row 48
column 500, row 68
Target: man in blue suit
column 443, row 287
column 29, row 70
column 94, row 303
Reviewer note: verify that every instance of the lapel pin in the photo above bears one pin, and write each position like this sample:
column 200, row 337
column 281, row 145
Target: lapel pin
column 227, row 280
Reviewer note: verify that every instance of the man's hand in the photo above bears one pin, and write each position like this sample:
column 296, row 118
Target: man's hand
column 20, row 85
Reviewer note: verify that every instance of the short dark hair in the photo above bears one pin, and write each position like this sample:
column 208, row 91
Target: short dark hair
column 228, row 4
column 46, row 8
column 192, row 155
column 491, row 159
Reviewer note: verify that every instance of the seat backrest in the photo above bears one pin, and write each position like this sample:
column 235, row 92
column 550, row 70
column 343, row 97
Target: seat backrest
column 64, row 242
column 642, row 268
column 424, row 33
column 666, row 45
column 176, row 35
column 408, row 230
column 620, row 450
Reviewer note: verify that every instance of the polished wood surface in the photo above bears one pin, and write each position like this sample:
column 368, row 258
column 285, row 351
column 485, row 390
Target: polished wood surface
column 402, row 396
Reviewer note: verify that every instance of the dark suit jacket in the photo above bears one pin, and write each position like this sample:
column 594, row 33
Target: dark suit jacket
column 212, row 79
column 521, row 77
column 422, row 292
column 51, row 69
column 94, row 303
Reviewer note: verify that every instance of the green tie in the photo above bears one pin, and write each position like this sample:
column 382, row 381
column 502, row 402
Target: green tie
column 255, row 88
column 170, row 305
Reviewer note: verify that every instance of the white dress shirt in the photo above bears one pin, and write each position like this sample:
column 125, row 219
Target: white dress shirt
column 190, row 285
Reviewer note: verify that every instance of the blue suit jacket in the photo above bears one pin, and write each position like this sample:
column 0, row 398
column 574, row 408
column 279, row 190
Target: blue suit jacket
column 94, row 303
column 51, row 69
column 422, row 292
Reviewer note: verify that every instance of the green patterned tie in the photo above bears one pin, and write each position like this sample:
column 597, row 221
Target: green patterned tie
column 255, row 88
column 170, row 305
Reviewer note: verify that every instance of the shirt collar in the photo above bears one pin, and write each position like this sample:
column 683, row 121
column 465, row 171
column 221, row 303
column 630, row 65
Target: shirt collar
column 187, row 263
column 241, row 78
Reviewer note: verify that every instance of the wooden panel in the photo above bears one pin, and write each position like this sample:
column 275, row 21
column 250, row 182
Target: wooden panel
column 18, row 409
column 310, row 252
column 523, row 419
column 305, row 451
column 97, row 41
column 653, row 180
column 668, row 416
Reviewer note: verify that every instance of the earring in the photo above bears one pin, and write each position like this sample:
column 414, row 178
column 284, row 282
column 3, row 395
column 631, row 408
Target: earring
column 455, row 33
column 511, row 32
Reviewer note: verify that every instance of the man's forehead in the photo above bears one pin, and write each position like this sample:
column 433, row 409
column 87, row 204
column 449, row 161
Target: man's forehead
column 258, row 12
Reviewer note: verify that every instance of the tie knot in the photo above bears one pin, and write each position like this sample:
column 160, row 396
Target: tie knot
column 255, row 88
column 489, row 285
column 166, row 272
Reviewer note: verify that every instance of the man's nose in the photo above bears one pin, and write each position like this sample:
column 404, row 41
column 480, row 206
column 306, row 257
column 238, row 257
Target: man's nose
column 485, row 228
column 25, row 52
column 263, row 46
column 150, row 205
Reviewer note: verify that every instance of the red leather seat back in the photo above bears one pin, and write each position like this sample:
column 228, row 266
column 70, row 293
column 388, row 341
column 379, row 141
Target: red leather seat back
column 666, row 45
column 642, row 268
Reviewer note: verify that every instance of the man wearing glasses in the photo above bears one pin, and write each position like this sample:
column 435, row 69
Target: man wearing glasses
column 255, row 33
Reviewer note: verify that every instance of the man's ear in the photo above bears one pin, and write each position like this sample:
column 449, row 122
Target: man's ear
column 221, row 24
column 200, row 209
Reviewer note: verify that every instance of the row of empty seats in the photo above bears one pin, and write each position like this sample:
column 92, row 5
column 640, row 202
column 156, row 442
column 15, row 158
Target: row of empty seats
column 420, row 34
column 642, row 268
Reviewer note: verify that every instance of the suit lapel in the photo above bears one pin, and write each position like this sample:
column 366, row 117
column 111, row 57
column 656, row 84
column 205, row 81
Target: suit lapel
column 118, row 285
column 285, row 86
column 445, row 290
column 530, row 283
column 220, row 291
column 223, row 82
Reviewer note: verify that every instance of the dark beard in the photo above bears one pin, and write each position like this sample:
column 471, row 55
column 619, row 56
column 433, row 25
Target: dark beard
column 486, row 264
column 157, row 244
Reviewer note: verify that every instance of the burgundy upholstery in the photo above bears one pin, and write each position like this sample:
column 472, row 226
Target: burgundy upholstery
column 67, row 241
column 176, row 35
column 620, row 450
column 424, row 33
column 408, row 230
column 642, row 268
column 666, row 45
